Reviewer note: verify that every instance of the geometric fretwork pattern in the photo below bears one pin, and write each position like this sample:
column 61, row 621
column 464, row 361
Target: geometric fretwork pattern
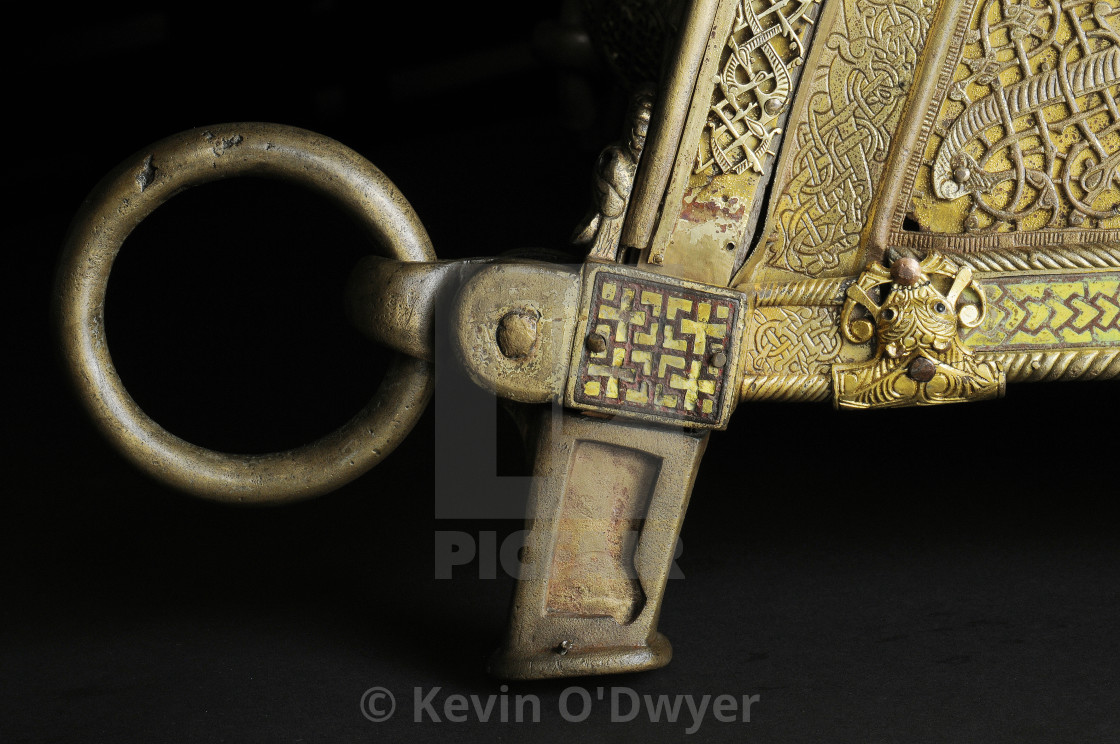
column 1023, row 313
column 660, row 343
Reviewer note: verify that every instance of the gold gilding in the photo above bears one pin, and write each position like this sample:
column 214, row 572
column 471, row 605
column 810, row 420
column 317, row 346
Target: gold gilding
column 839, row 136
column 919, row 358
column 1027, row 139
column 971, row 145
column 744, row 92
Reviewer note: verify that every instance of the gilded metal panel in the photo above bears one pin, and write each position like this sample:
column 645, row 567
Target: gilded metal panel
column 839, row 136
column 918, row 357
column 796, row 340
column 1025, row 150
column 1068, row 311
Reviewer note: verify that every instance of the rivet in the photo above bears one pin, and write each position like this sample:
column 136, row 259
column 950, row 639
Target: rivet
column 921, row 370
column 719, row 359
column 906, row 271
column 597, row 343
column 517, row 332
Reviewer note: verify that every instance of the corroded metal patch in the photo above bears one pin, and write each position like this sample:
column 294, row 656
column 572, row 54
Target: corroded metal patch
column 656, row 348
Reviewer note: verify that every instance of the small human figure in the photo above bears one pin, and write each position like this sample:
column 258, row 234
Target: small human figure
column 601, row 229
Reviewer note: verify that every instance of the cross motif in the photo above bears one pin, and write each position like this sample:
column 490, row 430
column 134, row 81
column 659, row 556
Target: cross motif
column 693, row 386
column 624, row 315
column 701, row 330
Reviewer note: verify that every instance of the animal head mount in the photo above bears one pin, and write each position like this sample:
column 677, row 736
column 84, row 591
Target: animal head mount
column 918, row 356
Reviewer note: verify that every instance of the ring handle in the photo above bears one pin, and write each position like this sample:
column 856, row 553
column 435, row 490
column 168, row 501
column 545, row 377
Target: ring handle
column 130, row 193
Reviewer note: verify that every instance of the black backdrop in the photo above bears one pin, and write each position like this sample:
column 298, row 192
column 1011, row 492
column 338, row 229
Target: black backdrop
column 933, row 575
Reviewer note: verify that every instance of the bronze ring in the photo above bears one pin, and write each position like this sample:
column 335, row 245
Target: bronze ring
column 133, row 191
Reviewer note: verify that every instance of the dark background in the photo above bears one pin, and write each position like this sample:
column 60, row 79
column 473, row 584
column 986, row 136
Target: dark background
column 911, row 576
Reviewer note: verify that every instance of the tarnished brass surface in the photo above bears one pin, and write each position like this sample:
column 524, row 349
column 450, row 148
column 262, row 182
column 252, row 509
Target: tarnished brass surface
column 669, row 113
column 601, row 230
column 605, row 510
column 880, row 203
column 544, row 292
column 128, row 195
column 395, row 302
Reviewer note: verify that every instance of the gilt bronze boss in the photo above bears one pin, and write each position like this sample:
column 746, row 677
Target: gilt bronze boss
column 877, row 203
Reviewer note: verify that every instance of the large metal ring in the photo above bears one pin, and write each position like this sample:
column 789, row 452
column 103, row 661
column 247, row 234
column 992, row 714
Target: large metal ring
column 132, row 192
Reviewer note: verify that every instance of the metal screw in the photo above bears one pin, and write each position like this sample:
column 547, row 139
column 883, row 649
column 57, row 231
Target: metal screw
column 597, row 343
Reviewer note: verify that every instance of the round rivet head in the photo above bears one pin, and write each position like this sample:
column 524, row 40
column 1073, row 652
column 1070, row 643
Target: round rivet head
column 921, row 370
column 906, row 271
column 597, row 343
column 961, row 174
column 517, row 332
column 719, row 359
